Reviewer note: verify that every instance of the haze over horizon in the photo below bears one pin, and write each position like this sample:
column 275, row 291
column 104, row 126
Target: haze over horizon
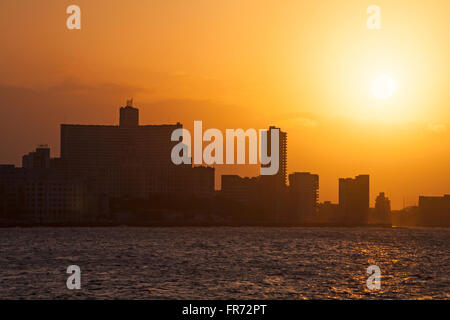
column 304, row 67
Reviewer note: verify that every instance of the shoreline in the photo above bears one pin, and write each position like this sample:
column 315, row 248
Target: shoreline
column 203, row 225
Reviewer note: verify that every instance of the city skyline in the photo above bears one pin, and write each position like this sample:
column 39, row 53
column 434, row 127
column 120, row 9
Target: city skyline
column 105, row 164
column 129, row 118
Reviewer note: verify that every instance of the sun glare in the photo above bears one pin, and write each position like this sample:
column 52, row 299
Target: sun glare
column 383, row 87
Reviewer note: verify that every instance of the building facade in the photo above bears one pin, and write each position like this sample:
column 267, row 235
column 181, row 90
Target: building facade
column 38, row 159
column 434, row 211
column 128, row 160
column 42, row 195
column 239, row 189
column 303, row 196
column 382, row 212
column 273, row 188
column 354, row 200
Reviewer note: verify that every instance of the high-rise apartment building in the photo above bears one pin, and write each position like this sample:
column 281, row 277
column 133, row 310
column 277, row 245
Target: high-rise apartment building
column 280, row 178
column 125, row 160
column 354, row 200
column 303, row 196
column 130, row 160
column 273, row 188
column 239, row 189
column 434, row 211
column 382, row 211
column 39, row 159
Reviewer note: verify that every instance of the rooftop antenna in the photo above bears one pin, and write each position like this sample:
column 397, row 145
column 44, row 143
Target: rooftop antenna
column 130, row 103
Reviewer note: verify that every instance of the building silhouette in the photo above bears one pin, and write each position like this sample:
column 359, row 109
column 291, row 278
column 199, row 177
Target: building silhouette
column 382, row 211
column 129, row 116
column 328, row 213
column 12, row 193
column 434, row 211
column 37, row 159
column 279, row 180
column 239, row 189
column 124, row 160
column 129, row 160
column 354, row 200
column 197, row 181
column 273, row 188
column 43, row 195
column 303, row 196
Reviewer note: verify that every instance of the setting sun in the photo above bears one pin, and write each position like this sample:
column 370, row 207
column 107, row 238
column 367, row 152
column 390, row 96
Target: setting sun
column 383, row 87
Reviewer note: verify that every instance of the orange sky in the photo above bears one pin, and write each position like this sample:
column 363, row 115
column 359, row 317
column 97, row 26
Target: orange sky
column 305, row 66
